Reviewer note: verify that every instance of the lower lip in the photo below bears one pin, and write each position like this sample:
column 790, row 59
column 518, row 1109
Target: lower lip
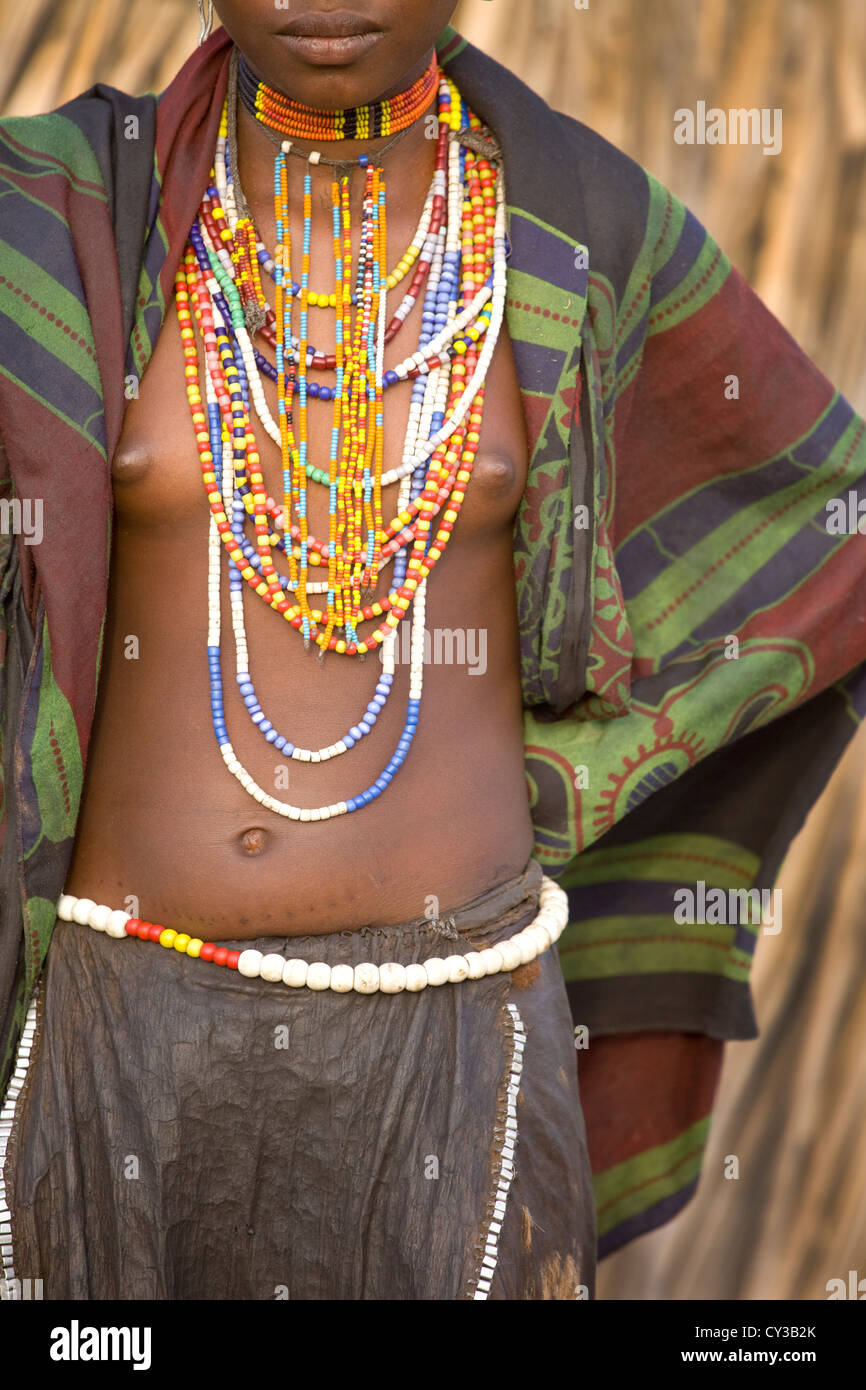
column 331, row 52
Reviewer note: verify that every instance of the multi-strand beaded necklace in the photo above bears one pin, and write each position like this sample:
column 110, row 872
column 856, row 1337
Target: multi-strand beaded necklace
column 457, row 261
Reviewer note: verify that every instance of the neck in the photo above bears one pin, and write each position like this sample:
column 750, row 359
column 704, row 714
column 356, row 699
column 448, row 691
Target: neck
column 408, row 164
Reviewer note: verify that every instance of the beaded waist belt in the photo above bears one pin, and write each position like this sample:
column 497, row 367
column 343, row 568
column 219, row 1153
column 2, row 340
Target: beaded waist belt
column 390, row 978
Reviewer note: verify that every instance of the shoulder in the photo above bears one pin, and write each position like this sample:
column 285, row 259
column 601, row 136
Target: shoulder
column 566, row 175
column 634, row 221
column 82, row 141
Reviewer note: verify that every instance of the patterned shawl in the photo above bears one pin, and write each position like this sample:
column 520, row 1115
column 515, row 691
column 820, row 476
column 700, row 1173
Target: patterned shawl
column 690, row 665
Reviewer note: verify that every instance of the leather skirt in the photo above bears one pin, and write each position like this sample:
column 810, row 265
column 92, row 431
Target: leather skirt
column 182, row 1132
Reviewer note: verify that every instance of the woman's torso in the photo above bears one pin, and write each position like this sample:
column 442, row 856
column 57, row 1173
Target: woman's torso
column 165, row 824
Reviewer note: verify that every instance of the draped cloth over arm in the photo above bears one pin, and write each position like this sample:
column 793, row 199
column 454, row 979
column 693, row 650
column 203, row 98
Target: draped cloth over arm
column 683, row 455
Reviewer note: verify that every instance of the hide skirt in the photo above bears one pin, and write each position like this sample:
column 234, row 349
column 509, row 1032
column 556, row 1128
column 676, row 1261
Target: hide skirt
column 178, row 1131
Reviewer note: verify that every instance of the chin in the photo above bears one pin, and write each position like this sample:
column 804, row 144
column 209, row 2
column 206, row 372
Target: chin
column 332, row 75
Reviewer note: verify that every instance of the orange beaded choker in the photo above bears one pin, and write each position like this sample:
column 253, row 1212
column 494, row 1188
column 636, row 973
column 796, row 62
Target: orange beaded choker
column 294, row 120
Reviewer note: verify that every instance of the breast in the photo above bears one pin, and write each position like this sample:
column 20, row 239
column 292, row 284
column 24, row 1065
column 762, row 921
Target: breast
column 502, row 461
column 156, row 474
column 496, row 473
column 493, row 492
column 154, row 484
column 155, row 471
column 133, row 462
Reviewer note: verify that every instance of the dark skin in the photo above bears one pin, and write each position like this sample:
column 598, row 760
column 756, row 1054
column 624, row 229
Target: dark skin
column 162, row 819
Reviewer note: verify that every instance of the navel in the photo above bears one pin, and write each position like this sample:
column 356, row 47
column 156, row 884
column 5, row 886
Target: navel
column 254, row 841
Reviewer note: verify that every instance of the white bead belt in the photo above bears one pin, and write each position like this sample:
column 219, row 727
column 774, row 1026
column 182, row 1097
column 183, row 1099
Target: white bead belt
column 391, row 978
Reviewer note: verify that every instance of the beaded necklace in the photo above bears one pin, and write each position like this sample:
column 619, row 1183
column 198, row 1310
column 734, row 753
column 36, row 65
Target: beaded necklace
column 457, row 261
column 281, row 113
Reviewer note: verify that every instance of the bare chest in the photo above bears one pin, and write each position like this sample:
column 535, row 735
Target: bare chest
column 156, row 473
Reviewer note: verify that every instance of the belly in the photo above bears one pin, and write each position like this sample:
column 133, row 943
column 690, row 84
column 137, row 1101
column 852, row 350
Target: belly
column 169, row 834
